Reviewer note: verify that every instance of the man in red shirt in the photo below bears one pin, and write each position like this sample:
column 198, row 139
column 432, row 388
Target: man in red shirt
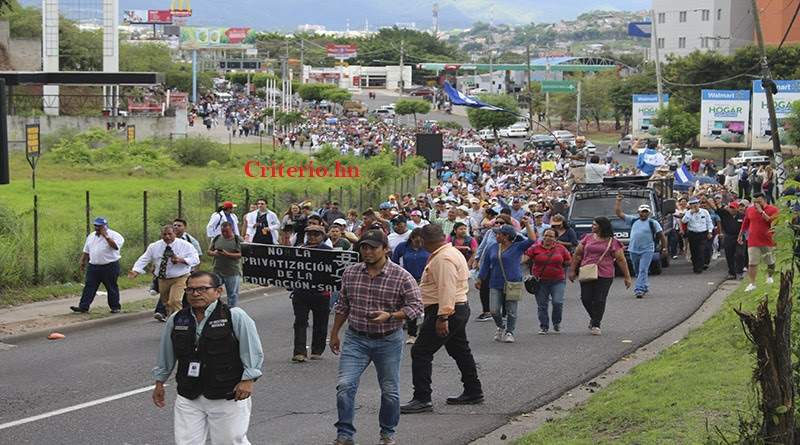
column 758, row 221
column 694, row 166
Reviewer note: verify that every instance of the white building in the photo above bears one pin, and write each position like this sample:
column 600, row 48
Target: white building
column 356, row 76
column 683, row 26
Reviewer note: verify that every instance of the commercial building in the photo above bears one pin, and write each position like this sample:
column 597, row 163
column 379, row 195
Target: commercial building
column 357, row 77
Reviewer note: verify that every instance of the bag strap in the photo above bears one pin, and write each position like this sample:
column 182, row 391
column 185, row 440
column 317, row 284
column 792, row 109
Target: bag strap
column 605, row 252
column 500, row 258
column 555, row 246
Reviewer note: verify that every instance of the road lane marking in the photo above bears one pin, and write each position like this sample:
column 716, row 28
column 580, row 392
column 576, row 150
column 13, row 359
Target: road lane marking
column 75, row 407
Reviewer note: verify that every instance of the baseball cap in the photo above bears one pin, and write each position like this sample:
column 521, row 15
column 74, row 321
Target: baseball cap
column 228, row 205
column 374, row 238
column 340, row 222
column 734, row 205
column 644, row 208
column 506, row 230
column 399, row 219
column 315, row 228
column 694, row 201
column 463, row 207
column 537, row 214
column 100, row 221
column 421, row 196
column 416, row 213
column 386, row 205
column 718, row 195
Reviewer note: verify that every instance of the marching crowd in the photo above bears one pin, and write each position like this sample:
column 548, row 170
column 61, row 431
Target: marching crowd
column 495, row 219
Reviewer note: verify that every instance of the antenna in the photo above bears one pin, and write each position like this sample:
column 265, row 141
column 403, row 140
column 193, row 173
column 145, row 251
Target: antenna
column 436, row 19
column 491, row 15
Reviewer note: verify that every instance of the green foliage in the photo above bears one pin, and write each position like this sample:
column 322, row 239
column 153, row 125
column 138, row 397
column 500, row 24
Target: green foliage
column 196, row 151
column 412, row 106
column 449, row 124
column 144, row 56
column 336, row 95
column 494, row 120
column 104, row 151
column 682, row 126
column 313, row 91
column 179, row 76
column 290, row 119
column 793, row 122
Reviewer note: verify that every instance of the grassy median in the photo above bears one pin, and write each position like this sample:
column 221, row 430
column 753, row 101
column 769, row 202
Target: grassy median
column 697, row 391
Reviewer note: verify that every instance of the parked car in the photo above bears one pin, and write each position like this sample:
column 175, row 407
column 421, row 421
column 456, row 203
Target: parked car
column 751, row 156
column 564, row 136
column 471, row 150
column 542, row 141
column 424, row 91
column 476, row 91
column 514, row 131
column 486, row 135
column 383, row 112
column 624, row 144
column 672, row 153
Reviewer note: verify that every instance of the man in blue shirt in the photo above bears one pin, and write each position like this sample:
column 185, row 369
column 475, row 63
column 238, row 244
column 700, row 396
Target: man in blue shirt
column 642, row 243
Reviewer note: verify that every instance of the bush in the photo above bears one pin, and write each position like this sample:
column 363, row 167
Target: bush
column 196, row 151
column 449, row 124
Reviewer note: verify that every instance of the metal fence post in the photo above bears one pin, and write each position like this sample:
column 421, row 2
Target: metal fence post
column 360, row 198
column 246, row 201
column 88, row 217
column 216, row 199
column 180, row 204
column 144, row 219
column 341, row 196
column 329, row 193
column 36, row 238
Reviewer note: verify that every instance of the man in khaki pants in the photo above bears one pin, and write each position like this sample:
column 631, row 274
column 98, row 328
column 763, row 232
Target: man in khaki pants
column 173, row 259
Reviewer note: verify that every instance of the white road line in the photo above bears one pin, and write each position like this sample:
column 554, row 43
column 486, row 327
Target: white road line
column 75, row 407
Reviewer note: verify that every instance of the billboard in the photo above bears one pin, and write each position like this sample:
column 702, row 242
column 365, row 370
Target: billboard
column 220, row 38
column 645, row 107
column 342, row 51
column 724, row 118
column 788, row 92
column 147, row 17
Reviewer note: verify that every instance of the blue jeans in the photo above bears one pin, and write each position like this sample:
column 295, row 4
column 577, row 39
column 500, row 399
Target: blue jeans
column 550, row 289
column 496, row 298
column 231, row 283
column 641, row 266
column 357, row 353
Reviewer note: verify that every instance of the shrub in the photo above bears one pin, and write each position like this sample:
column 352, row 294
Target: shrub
column 196, row 151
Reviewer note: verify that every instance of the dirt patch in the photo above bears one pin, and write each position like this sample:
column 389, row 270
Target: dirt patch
column 39, row 324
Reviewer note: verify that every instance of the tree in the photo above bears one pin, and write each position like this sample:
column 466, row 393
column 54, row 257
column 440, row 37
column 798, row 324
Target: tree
column 405, row 107
column 595, row 94
column 793, row 122
column 313, row 91
column 336, row 95
column 681, row 125
column 144, row 57
column 290, row 119
column 491, row 119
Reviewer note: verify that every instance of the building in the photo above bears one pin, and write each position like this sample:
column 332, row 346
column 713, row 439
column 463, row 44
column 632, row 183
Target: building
column 684, row 26
column 775, row 16
column 356, row 76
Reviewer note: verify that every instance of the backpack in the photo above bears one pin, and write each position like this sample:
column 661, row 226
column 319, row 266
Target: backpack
column 467, row 242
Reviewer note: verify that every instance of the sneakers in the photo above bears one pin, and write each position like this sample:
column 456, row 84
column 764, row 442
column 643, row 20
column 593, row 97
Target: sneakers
column 730, row 277
column 508, row 338
column 498, row 335
column 543, row 331
column 387, row 440
column 343, row 441
column 316, row 356
column 411, row 340
column 556, row 328
column 770, row 280
column 153, row 293
column 160, row 317
column 750, row 287
column 638, row 294
column 596, row 331
column 486, row 316
column 115, row 311
column 299, row 358
column 674, row 257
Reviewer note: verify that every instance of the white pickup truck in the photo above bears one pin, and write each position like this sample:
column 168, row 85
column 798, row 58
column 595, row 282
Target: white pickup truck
column 751, row 156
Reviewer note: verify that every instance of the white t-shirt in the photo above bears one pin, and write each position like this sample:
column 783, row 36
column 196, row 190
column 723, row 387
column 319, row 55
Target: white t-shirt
column 396, row 238
column 100, row 253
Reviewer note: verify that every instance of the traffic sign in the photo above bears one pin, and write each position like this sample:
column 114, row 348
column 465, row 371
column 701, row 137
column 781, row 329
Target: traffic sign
column 558, row 86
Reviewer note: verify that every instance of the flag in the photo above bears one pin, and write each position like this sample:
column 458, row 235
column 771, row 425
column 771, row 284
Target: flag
column 682, row 175
column 459, row 98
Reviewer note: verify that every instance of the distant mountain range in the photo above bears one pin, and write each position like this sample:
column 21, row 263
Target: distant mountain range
column 334, row 15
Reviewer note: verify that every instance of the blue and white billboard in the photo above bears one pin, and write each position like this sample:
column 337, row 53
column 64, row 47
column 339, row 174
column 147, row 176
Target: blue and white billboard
column 645, row 108
column 788, row 92
column 724, row 118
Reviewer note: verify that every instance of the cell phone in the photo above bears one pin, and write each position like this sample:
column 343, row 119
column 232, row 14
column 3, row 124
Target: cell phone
column 371, row 316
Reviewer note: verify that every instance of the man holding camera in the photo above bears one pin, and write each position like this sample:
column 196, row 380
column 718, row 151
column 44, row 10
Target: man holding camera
column 174, row 259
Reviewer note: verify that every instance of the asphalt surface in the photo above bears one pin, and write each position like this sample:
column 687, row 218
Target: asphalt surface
column 295, row 403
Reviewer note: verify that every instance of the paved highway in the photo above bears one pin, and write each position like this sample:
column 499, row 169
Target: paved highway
column 83, row 389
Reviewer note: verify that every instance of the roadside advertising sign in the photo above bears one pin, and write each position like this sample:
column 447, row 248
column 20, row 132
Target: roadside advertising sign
column 788, row 92
column 147, row 17
column 221, row 38
column 724, row 118
column 342, row 51
column 645, row 108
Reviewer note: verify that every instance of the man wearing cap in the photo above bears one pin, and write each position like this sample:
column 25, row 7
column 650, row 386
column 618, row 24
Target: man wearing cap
column 444, row 286
column 376, row 297
column 399, row 233
column 223, row 213
column 314, row 301
column 539, row 225
column 644, row 231
column 731, row 221
column 102, row 251
column 699, row 229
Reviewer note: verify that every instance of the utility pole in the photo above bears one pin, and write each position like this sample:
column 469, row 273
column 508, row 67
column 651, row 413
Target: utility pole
column 491, row 71
column 302, row 54
column 547, row 95
column 658, row 64
column 769, row 89
column 402, row 79
column 579, row 108
column 530, row 90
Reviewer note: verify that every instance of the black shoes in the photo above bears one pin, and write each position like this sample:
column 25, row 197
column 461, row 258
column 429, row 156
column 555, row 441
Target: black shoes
column 730, row 277
column 466, row 399
column 417, row 406
column 78, row 309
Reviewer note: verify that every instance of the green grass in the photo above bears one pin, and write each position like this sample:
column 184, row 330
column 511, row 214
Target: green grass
column 703, row 379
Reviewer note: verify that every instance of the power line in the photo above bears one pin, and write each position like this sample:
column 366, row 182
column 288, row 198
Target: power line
column 744, row 74
column 789, row 28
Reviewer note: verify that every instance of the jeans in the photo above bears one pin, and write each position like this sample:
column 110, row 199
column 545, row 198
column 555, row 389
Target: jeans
column 320, row 308
column 675, row 242
column 107, row 275
column 496, row 299
column 357, row 353
column 593, row 296
column 231, row 284
column 641, row 267
column 457, row 346
column 550, row 289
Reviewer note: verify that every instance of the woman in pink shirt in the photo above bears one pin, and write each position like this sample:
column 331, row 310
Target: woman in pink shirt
column 601, row 248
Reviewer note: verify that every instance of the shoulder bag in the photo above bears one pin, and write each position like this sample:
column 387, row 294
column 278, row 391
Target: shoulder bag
column 512, row 289
column 532, row 282
column 588, row 272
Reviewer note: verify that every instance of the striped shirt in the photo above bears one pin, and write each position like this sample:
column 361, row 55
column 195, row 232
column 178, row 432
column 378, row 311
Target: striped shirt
column 546, row 267
column 393, row 289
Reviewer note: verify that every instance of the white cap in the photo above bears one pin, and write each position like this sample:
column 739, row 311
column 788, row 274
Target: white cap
column 340, row 221
column 644, row 208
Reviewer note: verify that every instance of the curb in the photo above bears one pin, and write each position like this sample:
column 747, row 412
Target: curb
column 526, row 423
column 78, row 326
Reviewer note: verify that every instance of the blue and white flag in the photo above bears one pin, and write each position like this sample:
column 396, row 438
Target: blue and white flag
column 682, row 175
column 459, row 98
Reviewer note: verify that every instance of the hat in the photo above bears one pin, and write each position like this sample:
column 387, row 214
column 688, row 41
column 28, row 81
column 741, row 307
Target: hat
column 663, row 168
column 537, row 214
column 340, row 222
column 386, row 205
column 399, row 219
column 315, row 228
column 506, row 230
column 644, row 208
column 306, row 205
column 373, row 237
column 228, row 205
column 406, row 209
column 717, row 196
column 416, row 213
column 463, row 207
column 734, row 205
column 694, row 201
column 474, row 200
column 421, row 196
column 100, row 221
